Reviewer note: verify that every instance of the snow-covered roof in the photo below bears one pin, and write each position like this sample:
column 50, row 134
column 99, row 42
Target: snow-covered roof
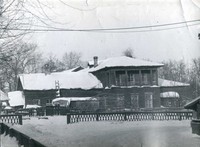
column 68, row 80
column 78, row 68
column 168, row 83
column 192, row 104
column 124, row 61
column 7, row 108
column 66, row 100
column 32, row 106
column 16, row 98
column 3, row 96
column 169, row 94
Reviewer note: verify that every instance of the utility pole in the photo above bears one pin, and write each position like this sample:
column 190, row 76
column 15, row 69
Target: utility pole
column 197, row 78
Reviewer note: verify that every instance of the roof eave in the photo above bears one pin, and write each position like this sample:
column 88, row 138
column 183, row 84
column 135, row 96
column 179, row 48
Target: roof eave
column 154, row 66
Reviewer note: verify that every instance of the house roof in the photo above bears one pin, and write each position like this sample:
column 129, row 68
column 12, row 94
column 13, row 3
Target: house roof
column 169, row 94
column 3, row 96
column 124, row 61
column 168, row 83
column 16, row 98
column 192, row 105
column 67, row 80
column 78, row 68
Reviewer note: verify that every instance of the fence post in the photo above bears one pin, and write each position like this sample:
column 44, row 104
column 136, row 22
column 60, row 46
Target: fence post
column 68, row 118
column 180, row 117
column 97, row 117
column 20, row 119
column 152, row 115
column 125, row 117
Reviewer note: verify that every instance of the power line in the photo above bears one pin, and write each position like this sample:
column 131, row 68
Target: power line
column 113, row 29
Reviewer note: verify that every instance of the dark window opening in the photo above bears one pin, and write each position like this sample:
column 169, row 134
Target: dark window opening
column 120, row 78
column 133, row 78
column 146, row 77
column 154, row 77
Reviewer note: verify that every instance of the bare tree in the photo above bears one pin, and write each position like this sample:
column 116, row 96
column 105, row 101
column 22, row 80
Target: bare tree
column 174, row 70
column 22, row 58
column 71, row 60
column 52, row 64
column 19, row 18
column 129, row 53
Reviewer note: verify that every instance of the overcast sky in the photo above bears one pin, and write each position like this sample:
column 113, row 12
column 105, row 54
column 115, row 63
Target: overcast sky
column 179, row 43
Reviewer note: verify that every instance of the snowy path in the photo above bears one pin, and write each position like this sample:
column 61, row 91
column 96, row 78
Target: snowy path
column 6, row 141
column 54, row 132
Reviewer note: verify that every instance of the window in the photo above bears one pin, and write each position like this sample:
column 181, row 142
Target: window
column 154, row 77
column 148, row 100
column 48, row 101
column 146, row 77
column 36, row 101
column 133, row 78
column 120, row 101
column 120, row 78
column 134, row 101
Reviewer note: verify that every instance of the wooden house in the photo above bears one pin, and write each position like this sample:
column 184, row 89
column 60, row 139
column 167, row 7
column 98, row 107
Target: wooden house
column 134, row 84
column 119, row 83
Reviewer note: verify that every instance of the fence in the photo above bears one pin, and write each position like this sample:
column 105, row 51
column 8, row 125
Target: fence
column 13, row 119
column 128, row 116
column 22, row 139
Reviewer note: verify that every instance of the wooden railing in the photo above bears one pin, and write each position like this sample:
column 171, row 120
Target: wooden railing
column 12, row 119
column 23, row 140
column 128, row 116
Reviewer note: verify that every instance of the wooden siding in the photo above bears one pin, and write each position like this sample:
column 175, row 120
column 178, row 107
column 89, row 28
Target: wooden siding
column 102, row 75
column 46, row 95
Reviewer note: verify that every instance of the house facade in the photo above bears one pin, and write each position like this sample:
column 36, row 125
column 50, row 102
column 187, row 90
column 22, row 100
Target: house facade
column 128, row 82
column 119, row 83
column 41, row 89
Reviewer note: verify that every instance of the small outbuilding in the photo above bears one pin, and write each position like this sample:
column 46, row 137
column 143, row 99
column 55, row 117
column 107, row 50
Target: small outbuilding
column 195, row 105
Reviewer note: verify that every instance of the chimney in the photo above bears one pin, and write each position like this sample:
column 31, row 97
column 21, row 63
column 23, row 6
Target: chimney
column 95, row 61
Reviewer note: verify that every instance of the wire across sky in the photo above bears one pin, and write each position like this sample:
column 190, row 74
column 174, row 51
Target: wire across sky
column 146, row 28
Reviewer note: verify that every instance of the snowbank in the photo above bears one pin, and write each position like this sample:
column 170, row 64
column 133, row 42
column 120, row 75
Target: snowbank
column 6, row 141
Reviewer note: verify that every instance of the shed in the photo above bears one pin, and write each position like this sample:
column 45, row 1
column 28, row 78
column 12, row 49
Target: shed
column 193, row 105
column 195, row 123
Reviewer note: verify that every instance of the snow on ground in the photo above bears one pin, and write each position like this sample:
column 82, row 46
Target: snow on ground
column 54, row 132
column 6, row 141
